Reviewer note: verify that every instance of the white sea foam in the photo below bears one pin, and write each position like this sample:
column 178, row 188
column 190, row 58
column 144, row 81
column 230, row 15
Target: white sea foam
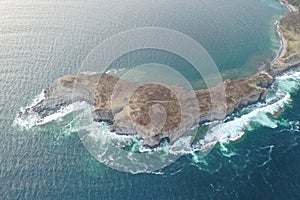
column 282, row 47
column 260, row 114
column 115, row 71
column 26, row 121
column 101, row 140
column 220, row 132
column 235, row 129
column 39, row 98
column 30, row 119
column 64, row 111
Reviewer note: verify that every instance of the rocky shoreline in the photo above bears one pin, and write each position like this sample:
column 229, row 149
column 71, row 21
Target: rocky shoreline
column 154, row 112
column 151, row 112
column 288, row 29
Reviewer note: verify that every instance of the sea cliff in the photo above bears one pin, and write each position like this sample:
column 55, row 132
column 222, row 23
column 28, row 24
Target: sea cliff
column 153, row 112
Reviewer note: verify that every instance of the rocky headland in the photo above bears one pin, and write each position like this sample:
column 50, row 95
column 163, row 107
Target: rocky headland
column 154, row 112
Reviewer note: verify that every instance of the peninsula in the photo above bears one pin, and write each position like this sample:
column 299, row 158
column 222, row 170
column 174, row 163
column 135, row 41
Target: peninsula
column 154, row 112
column 289, row 32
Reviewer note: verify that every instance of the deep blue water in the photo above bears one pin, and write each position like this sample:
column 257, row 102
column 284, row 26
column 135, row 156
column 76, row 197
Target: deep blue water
column 41, row 41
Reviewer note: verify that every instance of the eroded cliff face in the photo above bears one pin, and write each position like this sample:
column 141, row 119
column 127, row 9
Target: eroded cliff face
column 66, row 90
column 152, row 111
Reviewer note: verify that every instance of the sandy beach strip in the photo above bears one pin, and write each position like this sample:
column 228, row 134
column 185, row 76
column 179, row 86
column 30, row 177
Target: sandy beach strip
column 283, row 42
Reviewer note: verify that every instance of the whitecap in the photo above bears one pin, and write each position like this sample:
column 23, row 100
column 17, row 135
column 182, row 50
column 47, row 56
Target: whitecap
column 28, row 119
column 231, row 129
column 259, row 114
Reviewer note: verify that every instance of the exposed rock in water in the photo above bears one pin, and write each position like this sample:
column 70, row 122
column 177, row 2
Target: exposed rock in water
column 283, row 65
column 152, row 111
column 63, row 92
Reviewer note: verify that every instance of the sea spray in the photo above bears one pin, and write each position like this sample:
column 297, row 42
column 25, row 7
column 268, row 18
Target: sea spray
column 28, row 119
column 101, row 140
column 259, row 114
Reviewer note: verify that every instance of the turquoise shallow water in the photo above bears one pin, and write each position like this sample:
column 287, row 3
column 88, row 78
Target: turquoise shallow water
column 41, row 41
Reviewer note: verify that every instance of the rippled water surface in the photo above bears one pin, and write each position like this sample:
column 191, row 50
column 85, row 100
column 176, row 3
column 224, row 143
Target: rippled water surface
column 43, row 40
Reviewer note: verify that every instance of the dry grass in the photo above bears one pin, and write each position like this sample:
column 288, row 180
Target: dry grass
column 290, row 27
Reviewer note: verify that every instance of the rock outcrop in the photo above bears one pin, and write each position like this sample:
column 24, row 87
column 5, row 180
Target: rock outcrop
column 152, row 111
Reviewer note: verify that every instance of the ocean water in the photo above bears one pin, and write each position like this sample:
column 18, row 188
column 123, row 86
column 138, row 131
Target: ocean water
column 43, row 40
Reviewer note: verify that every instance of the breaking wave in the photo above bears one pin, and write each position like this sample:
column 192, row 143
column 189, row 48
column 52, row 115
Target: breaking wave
column 28, row 119
column 127, row 153
column 260, row 114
